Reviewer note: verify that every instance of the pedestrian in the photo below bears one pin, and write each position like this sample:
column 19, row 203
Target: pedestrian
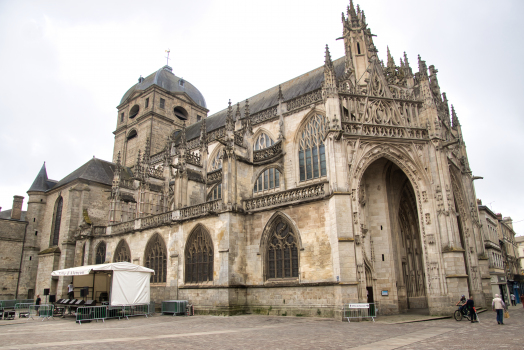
column 71, row 291
column 522, row 299
column 38, row 301
column 513, row 299
column 498, row 305
column 470, row 306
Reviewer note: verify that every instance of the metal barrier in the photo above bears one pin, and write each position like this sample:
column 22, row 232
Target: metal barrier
column 174, row 307
column 135, row 310
column 10, row 304
column 152, row 310
column 41, row 311
column 359, row 311
column 90, row 313
column 23, row 309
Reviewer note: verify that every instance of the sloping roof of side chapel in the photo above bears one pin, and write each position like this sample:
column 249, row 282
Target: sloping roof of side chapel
column 290, row 89
column 96, row 170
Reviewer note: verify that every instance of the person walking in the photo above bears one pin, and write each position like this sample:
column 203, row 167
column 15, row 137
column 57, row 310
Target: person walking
column 71, row 291
column 498, row 305
column 38, row 301
column 470, row 306
column 513, row 299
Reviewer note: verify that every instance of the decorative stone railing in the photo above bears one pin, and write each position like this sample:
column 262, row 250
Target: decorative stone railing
column 157, row 158
column 239, row 139
column 268, row 153
column 193, row 144
column 157, row 173
column 264, row 115
column 214, row 176
column 156, row 220
column 193, row 158
column 385, row 131
column 286, row 197
column 216, row 134
column 123, row 227
column 199, row 210
column 129, row 184
column 99, row 230
column 304, row 100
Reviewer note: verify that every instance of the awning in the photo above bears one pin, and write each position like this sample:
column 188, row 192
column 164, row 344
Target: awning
column 86, row 270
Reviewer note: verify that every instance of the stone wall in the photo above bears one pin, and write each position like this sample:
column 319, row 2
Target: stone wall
column 11, row 242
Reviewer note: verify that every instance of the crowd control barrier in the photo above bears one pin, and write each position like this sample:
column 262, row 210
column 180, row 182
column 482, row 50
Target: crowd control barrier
column 10, row 304
column 175, row 307
column 23, row 309
column 45, row 312
column 359, row 311
column 95, row 313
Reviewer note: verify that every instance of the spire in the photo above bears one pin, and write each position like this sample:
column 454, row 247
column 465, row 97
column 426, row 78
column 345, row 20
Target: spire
column 422, row 68
column 445, row 104
column 183, row 143
column 230, row 124
column 454, row 118
column 237, row 114
column 391, row 61
column 246, row 122
column 138, row 166
column 327, row 61
column 40, row 183
column 147, row 152
column 406, row 64
column 280, row 95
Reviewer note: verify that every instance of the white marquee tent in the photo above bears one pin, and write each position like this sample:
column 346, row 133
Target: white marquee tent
column 129, row 282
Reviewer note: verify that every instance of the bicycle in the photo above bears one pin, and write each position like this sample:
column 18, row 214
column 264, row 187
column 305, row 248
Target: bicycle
column 458, row 314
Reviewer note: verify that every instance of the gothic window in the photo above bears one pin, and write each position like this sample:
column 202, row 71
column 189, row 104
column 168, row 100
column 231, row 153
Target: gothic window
column 155, row 258
column 122, row 253
column 263, row 141
column 100, row 253
column 199, row 257
column 282, row 255
column 58, row 219
column 215, row 193
column 312, row 153
column 216, row 163
column 269, row 179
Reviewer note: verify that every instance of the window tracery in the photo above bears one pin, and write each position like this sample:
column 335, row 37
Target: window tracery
column 58, row 219
column 100, row 253
column 282, row 254
column 263, row 141
column 312, row 153
column 199, row 257
column 215, row 193
column 269, row 179
column 216, row 163
column 155, row 258
column 122, row 253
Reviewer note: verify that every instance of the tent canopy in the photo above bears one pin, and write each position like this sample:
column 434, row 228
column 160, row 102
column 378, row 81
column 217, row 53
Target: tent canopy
column 86, row 270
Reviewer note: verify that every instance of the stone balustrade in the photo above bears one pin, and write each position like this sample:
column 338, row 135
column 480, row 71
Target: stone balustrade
column 214, row 176
column 198, row 210
column 286, row 197
column 268, row 153
column 388, row 131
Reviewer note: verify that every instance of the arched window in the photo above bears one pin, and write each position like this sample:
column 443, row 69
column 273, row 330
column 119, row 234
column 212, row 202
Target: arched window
column 268, row 180
column 155, row 258
column 263, row 141
column 215, row 193
column 358, row 48
column 134, row 111
column 199, row 257
column 216, row 163
column 132, row 134
column 58, row 219
column 122, row 252
column 312, row 153
column 100, row 253
column 282, row 255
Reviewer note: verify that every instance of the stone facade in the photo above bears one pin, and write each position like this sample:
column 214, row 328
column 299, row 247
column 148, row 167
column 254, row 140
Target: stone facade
column 350, row 183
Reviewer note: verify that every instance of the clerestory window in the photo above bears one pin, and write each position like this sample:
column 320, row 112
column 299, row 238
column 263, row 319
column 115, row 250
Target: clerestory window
column 312, row 152
column 57, row 221
column 215, row 193
column 269, row 179
column 263, row 141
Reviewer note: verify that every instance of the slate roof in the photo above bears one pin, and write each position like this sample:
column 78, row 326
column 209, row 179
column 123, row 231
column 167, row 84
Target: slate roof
column 6, row 214
column 290, row 89
column 165, row 78
column 96, row 170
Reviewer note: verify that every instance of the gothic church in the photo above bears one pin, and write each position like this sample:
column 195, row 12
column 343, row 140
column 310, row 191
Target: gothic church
column 349, row 183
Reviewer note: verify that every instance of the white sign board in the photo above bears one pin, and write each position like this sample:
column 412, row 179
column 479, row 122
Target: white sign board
column 358, row 306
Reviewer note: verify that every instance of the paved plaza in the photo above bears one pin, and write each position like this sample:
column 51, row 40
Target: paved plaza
column 269, row 332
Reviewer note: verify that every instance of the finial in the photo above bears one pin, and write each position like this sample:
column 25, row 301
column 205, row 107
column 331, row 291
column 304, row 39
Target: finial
column 327, row 60
column 246, row 109
column 118, row 159
column 391, row 62
column 167, row 57
column 280, row 96
column 237, row 114
column 454, row 118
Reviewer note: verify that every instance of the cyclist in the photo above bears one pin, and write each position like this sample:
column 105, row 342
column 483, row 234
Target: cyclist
column 462, row 303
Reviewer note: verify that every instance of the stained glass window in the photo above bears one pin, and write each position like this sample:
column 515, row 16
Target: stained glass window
column 155, row 258
column 199, row 257
column 122, row 252
column 58, row 219
column 312, row 153
column 216, row 163
column 263, row 141
column 282, row 255
column 215, row 193
column 101, row 253
column 269, row 179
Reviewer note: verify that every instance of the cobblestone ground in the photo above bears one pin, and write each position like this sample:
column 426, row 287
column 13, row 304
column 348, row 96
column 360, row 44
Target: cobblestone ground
column 270, row 332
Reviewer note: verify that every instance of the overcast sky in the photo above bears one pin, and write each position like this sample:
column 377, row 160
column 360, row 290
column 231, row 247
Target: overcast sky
column 66, row 64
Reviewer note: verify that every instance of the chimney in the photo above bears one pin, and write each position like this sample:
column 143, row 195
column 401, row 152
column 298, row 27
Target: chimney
column 499, row 216
column 479, row 201
column 16, row 212
column 508, row 221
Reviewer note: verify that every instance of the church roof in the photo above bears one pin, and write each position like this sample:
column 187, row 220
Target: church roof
column 41, row 183
column 165, row 78
column 96, row 170
column 290, row 89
